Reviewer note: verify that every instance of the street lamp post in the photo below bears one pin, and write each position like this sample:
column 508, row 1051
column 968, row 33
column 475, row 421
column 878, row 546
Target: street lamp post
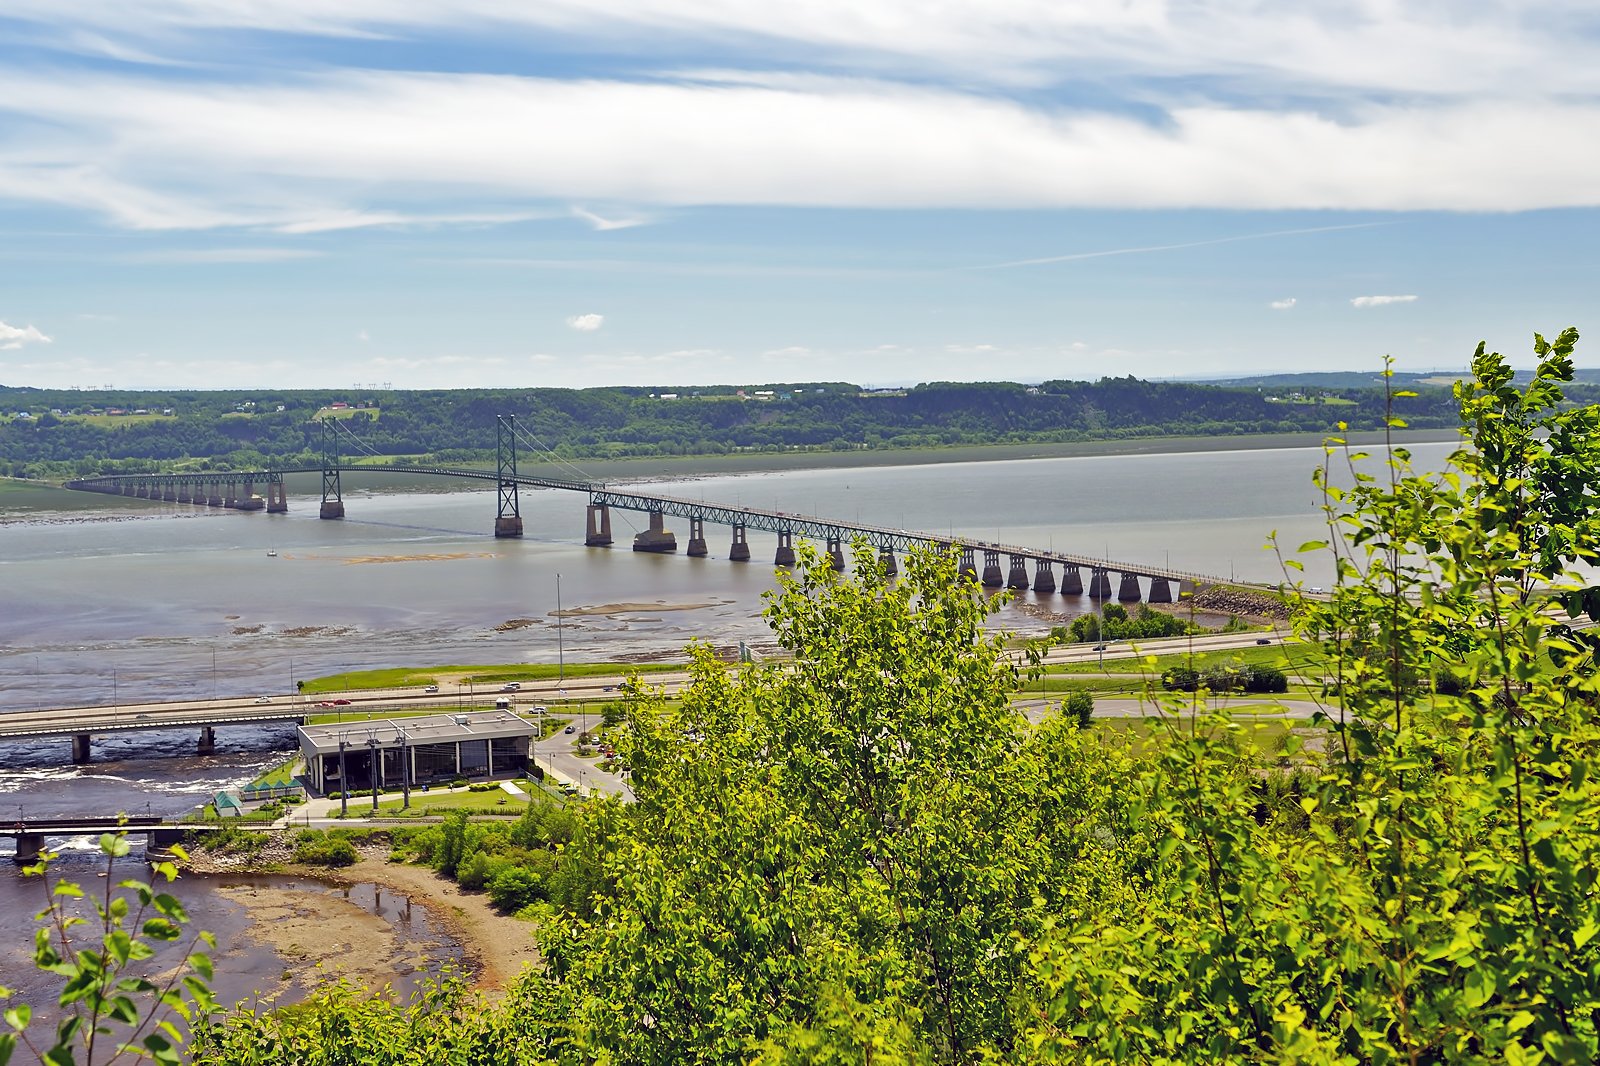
column 344, row 782
column 375, row 772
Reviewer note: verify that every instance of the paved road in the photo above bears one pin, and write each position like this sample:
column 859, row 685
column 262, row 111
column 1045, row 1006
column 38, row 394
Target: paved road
column 369, row 702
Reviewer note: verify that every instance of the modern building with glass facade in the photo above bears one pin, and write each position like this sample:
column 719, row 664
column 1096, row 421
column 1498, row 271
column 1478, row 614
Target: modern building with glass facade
column 401, row 752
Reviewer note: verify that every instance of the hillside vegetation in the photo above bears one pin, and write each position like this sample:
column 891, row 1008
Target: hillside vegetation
column 238, row 430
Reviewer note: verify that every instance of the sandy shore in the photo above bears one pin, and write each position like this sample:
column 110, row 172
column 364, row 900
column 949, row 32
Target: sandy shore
column 319, row 934
column 500, row 946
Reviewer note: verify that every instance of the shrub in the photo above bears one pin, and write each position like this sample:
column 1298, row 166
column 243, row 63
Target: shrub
column 515, row 887
column 1180, row 679
column 315, row 848
column 1259, row 678
column 1080, row 706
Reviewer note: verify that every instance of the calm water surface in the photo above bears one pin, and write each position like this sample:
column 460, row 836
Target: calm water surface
column 137, row 601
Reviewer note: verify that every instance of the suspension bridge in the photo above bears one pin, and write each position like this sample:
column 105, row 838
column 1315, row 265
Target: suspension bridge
column 1002, row 565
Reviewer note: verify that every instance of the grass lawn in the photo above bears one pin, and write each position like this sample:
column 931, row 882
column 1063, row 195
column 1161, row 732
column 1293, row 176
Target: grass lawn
column 1290, row 657
column 417, row 676
column 344, row 412
column 1263, row 737
column 498, row 801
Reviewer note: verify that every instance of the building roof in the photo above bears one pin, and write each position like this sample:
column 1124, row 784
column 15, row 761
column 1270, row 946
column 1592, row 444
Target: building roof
column 426, row 729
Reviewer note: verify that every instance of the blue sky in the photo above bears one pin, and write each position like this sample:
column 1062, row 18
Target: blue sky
column 240, row 193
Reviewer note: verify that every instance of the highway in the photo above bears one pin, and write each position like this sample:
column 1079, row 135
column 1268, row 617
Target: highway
column 366, row 703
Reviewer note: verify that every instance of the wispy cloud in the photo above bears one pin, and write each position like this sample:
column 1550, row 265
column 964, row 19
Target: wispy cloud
column 1381, row 301
column 1282, row 305
column 1145, row 249
column 17, row 336
column 586, row 323
column 603, row 224
column 226, row 255
column 184, row 154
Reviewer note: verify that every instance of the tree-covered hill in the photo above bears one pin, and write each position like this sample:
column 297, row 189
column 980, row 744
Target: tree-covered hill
column 73, row 432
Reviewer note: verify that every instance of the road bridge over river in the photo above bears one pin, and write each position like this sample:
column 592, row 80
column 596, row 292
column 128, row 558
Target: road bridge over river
column 1002, row 565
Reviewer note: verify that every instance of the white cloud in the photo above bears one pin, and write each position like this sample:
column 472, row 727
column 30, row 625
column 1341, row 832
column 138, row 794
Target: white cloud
column 604, row 224
column 17, row 336
column 362, row 336
column 311, row 154
column 1282, row 305
column 1381, row 301
column 1492, row 47
column 586, row 323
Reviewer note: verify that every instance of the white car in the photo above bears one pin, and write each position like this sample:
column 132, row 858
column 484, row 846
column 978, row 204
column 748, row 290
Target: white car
column 431, row 688
column 263, row 699
column 511, row 686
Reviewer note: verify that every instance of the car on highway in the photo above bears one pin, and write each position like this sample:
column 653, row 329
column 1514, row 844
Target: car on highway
column 325, row 703
column 511, row 686
column 569, row 729
column 263, row 699
column 431, row 688
column 1263, row 640
column 341, row 703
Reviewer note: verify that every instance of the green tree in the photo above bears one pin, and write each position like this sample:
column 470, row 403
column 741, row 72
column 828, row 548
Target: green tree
column 1432, row 898
column 871, row 829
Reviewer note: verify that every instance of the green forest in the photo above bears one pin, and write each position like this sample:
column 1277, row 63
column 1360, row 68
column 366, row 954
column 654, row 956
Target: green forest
column 71, row 434
column 870, row 856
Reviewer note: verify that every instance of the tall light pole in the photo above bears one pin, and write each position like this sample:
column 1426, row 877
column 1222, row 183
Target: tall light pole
column 376, row 772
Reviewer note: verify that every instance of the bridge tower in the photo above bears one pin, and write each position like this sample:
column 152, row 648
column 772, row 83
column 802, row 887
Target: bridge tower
column 277, row 499
column 332, row 496
column 508, row 517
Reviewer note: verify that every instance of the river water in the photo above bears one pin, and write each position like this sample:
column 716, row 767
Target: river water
column 126, row 601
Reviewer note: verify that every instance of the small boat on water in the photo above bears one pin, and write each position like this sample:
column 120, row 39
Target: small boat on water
column 271, row 554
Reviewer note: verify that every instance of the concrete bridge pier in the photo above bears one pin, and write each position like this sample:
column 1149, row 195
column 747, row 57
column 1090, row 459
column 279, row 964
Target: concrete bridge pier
column 29, row 845
column 129, row 489
column 277, row 496
column 158, row 843
column 599, row 534
column 658, row 538
column 836, row 552
column 739, row 550
column 185, row 492
column 208, row 741
column 80, row 747
column 1099, row 584
column 508, row 525
column 1128, row 590
column 1018, row 578
column 169, row 493
column 1044, row 577
column 143, row 491
column 968, row 568
column 886, row 557
column 1160, row 590
column 331, row 509
column 214, row 495
column 991, row 569
column 697, row 538
column 785, row 553
column 1071, row 580
column 247, row 500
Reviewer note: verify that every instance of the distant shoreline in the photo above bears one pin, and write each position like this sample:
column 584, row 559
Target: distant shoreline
column 23, row 494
